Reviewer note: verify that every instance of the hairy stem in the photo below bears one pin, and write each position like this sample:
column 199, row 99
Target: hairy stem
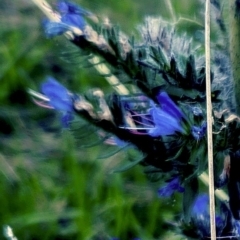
column 234, row 31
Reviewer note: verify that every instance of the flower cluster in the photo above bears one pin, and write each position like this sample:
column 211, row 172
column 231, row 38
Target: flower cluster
column 71, row 15
column 226, row 226
column 199, row 132
column 201, row 217
column 164, row 119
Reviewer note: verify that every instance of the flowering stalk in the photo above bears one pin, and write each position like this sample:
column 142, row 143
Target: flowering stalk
column 73, row 32
column 165, row 119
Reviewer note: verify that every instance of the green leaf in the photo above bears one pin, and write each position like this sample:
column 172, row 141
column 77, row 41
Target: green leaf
column 180, row 94
column 113, row 153
column 160, row 57
column 128, row 165
column 190, row 193
column 199, row 157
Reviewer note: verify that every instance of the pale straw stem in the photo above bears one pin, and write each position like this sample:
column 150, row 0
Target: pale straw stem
column 209, row 122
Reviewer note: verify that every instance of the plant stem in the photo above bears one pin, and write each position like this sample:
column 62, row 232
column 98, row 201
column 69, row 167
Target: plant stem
column 209, row 121
column 234, row 31
column 221, row 195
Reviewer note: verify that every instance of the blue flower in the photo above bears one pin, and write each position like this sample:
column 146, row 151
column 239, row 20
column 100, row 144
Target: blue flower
column 53, row 29
column 169, row 106
column 71, row 16
column 200, row 206
column 167, row 119
column 66, row 119
column 59, row 98
column 199, row 132
column 201, row 217
column 236, row 228
column 170, row 188
column 197, row 111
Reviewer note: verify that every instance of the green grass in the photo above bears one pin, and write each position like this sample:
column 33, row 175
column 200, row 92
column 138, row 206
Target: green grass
column 53, row 190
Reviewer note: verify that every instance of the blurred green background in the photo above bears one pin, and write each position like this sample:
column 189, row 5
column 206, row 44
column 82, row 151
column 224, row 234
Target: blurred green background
column 52, row 185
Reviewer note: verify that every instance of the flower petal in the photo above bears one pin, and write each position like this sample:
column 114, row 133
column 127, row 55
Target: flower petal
column 53, row 29
column 59, row 96
column 165, row 124
column 199, row 132
column 72, row 14
column 200, row 206
column 66, row 119
column 169, row 106
column 74, row 20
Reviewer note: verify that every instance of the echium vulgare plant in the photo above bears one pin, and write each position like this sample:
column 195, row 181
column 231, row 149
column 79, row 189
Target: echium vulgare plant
column 159, row 107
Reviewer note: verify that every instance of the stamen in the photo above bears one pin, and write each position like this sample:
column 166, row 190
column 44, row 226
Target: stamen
column 137, row 133
column 144, row 124
column 42, row 104
column 135, row 128
column 38, row 95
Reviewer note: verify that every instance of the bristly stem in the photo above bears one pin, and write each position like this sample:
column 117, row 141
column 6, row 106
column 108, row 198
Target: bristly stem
column 234, row 31
column 209, row 121
column 220, row 194
column 111, row 79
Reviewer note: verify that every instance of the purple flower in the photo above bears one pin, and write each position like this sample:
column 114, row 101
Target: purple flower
column 71, row 15
column 167, row 119
column 59, row 98
column 170, row 188
column 199, row 132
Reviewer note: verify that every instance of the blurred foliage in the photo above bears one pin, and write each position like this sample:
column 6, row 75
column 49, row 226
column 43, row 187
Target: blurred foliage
column 52, row 186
